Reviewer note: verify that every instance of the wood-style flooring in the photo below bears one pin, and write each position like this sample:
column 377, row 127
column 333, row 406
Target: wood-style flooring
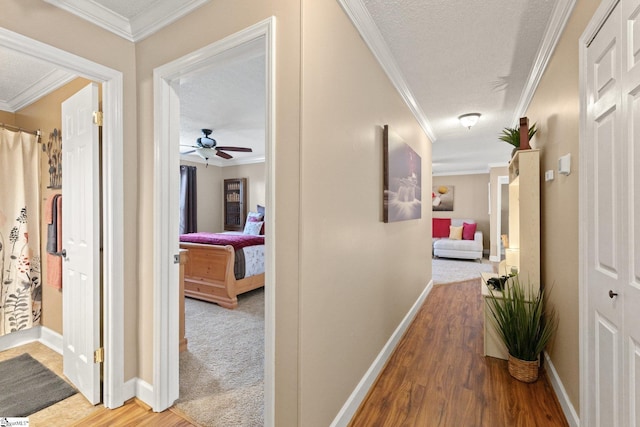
column 439, row 377
column 77, row 411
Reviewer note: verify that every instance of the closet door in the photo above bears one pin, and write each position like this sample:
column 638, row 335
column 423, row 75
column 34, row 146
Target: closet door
column 612, row 161
column 630, row 290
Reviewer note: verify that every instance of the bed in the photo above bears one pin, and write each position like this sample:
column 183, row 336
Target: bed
column 220, row 266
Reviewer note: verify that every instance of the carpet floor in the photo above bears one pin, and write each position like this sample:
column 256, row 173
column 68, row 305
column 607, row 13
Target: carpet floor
column 27, row 386
column 222, row 371
column 447, row 270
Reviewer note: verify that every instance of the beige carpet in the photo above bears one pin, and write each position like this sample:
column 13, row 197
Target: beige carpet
column 222, row 372
column 447, row 270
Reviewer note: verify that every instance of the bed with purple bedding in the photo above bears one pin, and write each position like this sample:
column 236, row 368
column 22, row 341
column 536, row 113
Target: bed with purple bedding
column 221, row 266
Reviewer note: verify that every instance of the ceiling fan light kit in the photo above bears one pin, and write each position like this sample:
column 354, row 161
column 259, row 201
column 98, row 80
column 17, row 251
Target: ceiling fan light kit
column 204, row 144
column 469, row 120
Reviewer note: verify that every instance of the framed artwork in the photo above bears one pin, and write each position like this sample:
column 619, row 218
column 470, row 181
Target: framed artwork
column 402, row 179
column 442, row 198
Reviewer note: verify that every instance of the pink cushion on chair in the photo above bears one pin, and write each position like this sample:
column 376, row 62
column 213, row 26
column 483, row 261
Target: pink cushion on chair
column 468, row 231
column 440, row 227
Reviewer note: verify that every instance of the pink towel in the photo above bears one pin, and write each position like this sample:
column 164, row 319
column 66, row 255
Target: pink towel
column 54, row 262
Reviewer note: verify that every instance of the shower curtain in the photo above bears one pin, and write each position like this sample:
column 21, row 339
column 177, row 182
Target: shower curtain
column 20, row 287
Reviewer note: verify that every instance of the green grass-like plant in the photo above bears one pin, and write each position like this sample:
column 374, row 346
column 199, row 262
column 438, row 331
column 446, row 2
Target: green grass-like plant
column 521, row 319
column 512, row 135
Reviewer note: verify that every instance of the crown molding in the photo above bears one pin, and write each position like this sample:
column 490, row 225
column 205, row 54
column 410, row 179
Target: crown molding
column 164, row 13
column 140, row 26
column 362, row 20
column 559, row 17
column 39, row 89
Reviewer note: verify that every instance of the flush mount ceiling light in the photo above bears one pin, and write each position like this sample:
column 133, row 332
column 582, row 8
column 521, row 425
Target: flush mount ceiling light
column 468, row 120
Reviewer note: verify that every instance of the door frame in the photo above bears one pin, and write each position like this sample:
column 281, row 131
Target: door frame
column 597, row 21
column 112, row 198
column 166, row 194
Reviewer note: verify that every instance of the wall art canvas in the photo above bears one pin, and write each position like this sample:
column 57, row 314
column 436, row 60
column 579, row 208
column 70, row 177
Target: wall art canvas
column 442, row 197
column 402, row 179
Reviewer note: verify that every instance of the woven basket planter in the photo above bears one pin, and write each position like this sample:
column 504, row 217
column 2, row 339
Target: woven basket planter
column 523, row 370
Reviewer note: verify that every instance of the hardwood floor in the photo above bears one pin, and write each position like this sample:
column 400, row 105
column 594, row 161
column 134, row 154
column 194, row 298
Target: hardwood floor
column 438, row 375
column 77, row 411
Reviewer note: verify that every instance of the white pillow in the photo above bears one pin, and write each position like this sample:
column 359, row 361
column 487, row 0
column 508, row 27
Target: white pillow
column 253, row 227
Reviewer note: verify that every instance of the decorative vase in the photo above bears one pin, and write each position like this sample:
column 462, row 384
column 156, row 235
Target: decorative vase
column 523, row 370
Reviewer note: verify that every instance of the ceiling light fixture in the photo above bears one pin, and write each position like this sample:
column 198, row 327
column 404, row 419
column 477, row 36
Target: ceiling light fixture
column 469, row 120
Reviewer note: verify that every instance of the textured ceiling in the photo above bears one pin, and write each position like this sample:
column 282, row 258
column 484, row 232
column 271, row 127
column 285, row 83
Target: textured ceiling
column 461, row 56
column 456, row 56
column 228, row 98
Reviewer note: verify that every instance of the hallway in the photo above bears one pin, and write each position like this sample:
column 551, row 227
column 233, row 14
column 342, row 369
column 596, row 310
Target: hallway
column 438, row 375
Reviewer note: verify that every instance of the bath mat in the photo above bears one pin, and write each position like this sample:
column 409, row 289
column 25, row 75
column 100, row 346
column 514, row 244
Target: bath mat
column 27, row 386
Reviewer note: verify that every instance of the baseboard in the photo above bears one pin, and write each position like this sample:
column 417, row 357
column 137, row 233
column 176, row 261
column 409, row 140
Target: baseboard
column 51, row 339
column 18, row 338
column 136, row 387
column 569, row 411
column 494, row 258
column 354, row 401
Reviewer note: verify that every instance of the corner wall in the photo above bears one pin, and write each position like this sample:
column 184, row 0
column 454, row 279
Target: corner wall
column 555, row 109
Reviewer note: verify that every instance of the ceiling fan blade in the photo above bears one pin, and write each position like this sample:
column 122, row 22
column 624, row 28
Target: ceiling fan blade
column 243, row 149
column 189, row 152
column 223, row 155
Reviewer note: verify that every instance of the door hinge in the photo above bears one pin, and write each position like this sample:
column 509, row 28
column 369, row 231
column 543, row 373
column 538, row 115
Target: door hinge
column 97, row 118
column 98, row 355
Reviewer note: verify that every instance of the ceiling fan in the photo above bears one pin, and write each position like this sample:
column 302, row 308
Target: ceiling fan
column 206, row 146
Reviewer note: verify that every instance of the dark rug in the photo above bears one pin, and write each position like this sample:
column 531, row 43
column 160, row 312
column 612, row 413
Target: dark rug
column 27, row 386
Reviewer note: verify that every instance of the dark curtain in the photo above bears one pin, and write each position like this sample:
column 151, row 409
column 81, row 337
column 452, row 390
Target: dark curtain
column 188, row 200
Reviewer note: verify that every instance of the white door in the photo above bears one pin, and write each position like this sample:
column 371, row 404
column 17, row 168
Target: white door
column 81, row 239
column 613, row 227
column 630, row 290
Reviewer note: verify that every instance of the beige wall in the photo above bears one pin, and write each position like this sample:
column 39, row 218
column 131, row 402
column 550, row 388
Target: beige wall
column 359, row 276
column 51, row 25
column 45, row 114
column 471, row 200
column 7, row 118
column 210, row 179
column 555, row 109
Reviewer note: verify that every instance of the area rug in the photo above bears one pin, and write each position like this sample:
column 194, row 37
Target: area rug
column 222, row 371
column 447, row 270
column 27, row 386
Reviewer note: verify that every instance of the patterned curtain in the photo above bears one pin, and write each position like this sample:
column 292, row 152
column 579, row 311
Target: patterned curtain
column 188, row 200
column 20, row 287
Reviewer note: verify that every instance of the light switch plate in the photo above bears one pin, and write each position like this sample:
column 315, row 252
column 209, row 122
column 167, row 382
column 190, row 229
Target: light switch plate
column 564, row 164
column 548, row 175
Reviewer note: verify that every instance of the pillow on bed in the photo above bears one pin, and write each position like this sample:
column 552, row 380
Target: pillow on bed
column 257, row 215
column 253, row 227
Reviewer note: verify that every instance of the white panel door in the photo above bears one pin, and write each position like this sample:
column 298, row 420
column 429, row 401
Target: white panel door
column 606, row 222
column 630, row 291
column 81, row 239
column 613, row 219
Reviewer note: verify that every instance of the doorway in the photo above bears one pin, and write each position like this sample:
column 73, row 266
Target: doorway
column 166, row 131
column 112, row 197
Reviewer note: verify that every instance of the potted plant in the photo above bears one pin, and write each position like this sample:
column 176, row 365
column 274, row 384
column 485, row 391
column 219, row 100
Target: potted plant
column 512, row 136
column 524, row 324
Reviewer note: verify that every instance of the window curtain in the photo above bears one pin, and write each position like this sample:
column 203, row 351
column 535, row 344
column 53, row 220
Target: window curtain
column 20, row 286
column 188, row 200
